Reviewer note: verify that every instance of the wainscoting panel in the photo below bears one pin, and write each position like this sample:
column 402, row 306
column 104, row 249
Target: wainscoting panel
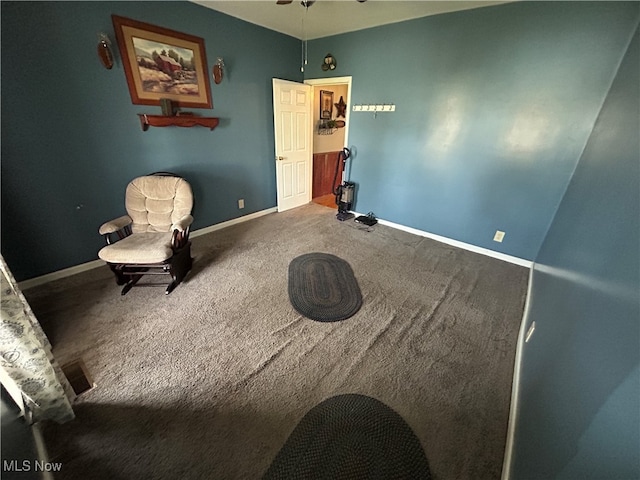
column 324, row 169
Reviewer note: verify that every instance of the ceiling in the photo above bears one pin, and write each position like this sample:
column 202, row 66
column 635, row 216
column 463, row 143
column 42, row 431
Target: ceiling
column 327, row 17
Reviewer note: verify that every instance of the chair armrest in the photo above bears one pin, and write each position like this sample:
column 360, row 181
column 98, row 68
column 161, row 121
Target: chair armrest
column 115, row 225
column 180, row 229
column 182, row 224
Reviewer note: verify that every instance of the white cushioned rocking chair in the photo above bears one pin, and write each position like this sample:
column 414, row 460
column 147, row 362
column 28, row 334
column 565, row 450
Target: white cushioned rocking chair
column 153, row 238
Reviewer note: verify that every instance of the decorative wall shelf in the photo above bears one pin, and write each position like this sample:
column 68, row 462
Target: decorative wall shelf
column 147, row 120
column 329, row 127
column 326, row 131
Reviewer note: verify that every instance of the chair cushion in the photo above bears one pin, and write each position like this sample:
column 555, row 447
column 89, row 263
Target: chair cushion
column 154, row 203
column 139, row 248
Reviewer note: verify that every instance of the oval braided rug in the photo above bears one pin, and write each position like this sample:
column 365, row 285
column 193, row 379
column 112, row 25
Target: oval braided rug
column 322, row 287
column 350, row 437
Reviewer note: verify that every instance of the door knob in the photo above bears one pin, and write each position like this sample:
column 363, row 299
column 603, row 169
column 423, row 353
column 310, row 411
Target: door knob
column 279, row 159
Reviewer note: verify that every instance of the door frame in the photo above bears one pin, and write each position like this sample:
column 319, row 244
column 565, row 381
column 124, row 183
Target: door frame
column 314, row 82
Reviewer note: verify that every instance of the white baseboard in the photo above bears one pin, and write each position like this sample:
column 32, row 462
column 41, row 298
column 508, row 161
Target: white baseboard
column 455, row 243
column 49, row 277
column 233, row 221
column 67, row 272
column 83, row 267
column 515, row 385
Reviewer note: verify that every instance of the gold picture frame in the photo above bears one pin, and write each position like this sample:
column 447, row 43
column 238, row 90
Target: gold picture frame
column 163, row 64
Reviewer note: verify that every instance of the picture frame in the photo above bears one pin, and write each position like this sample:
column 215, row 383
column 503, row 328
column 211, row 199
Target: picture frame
column 162, row 64
column 326, row 104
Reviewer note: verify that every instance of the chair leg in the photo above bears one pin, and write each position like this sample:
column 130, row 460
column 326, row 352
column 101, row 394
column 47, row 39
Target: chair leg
column 171, row 286
column 120, row 278
column 133, row 280
column 180, row 265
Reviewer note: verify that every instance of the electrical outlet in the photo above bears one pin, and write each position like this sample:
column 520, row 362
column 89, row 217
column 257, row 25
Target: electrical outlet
column 499, row 236
column 241, row 203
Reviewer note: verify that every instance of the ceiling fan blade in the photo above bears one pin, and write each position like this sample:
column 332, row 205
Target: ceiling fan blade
column 304, row 3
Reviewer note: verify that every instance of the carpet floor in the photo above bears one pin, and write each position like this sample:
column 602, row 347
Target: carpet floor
column 210, row 381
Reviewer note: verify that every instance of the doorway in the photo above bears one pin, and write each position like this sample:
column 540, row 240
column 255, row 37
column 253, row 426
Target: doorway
column 330, row 134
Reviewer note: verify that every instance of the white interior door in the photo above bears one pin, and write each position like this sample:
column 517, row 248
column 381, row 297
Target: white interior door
column 293, row 130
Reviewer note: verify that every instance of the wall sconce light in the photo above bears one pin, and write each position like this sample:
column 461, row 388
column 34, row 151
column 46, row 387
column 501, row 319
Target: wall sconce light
column 329, row 63
column 218, row 70
column 104, row 50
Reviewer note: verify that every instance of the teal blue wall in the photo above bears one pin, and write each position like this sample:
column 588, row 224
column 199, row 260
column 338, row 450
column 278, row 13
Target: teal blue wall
column 494, row 106
column 579, row 414
column 71, row 136
column 493, row 109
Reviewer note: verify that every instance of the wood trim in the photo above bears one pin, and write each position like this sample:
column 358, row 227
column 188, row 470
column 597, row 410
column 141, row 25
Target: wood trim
column 324, row 170
column 177, row 120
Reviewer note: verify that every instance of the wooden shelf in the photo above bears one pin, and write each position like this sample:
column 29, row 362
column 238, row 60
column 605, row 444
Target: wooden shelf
column 178, row 121
column 324, row 129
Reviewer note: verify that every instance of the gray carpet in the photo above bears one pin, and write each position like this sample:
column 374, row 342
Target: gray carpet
column 210, row 381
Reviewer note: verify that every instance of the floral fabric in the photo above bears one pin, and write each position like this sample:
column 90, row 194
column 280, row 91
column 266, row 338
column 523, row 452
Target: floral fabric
column 25, row 355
